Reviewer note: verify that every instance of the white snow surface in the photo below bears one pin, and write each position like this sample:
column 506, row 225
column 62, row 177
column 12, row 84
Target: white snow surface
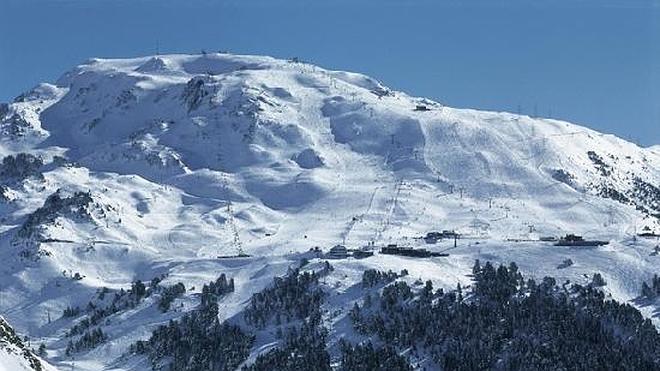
column 188, row 157
column 12, row 360
column 14, row 355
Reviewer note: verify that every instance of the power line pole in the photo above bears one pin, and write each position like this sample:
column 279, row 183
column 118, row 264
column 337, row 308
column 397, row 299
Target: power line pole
column 234, row 230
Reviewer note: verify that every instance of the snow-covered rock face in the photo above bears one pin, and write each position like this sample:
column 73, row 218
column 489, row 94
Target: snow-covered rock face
column 166, row 162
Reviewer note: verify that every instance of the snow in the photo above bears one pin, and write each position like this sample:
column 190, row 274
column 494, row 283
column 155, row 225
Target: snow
column 190, row 155
column 655, row 148
column 12, row 362
column 14, row 354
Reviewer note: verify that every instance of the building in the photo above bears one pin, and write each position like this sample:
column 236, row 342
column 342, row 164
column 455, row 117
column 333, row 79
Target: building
column 338, row 252
column 361, row 254
column 449, row 234
column 576, row 240
column 433, row 237
column 393, row 249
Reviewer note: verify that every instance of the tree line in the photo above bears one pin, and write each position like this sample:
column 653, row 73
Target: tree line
column 506, row 322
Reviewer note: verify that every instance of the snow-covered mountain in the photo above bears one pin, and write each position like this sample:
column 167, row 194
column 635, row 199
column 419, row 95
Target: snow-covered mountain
column 130, row 169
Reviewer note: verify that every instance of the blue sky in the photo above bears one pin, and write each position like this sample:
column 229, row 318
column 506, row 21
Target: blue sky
column 596, row 63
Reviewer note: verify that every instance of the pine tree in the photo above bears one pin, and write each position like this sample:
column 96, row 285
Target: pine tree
column 42, row 350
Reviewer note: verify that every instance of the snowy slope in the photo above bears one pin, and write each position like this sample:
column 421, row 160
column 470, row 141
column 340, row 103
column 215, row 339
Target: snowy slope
column 15, row 355
column 654, row 148
column 157, row 165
